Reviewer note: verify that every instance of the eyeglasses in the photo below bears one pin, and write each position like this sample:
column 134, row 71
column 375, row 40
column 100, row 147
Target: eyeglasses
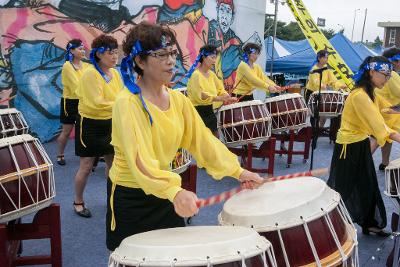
column 164, row 55
column 387, row 75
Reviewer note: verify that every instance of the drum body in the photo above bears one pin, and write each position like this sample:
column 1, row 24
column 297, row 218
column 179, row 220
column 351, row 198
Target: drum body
column 331, row 103
column 12, row 123
column 288, row 112
column 195, row 246
column 299, row 213
column 243, row 123
column 26, row 177
column 181, row 161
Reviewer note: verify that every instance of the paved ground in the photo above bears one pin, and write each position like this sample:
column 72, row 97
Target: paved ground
column 83, row 240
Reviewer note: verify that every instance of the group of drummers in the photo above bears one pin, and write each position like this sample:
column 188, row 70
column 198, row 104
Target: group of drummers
column 137, row 123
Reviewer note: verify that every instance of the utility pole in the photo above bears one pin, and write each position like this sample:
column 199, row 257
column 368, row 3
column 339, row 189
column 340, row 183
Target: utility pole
column 273, row 40
column 365, row 18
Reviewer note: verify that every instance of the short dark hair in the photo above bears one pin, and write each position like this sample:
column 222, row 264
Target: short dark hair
column 390, row 52
column 74, row 42
column 104, row 40
column 150, row 36
column 247, row 48
column 365, row 81
column 322, row 53
column 208, row 49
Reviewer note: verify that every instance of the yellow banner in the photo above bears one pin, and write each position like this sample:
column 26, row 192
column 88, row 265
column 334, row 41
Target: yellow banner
column 318, row 41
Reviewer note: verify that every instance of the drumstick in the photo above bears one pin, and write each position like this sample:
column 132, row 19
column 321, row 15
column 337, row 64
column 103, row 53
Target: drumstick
column 227, row 194
column 8, row 99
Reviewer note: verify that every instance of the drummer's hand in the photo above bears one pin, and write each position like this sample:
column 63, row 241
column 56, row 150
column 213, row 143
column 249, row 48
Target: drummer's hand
column 230, row 100
column 185, row 203
column 295, row 86
column 274, row 89
column 250, row 180
column 323, row 87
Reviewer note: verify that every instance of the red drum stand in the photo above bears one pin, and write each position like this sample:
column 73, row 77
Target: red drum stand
column 45, row 224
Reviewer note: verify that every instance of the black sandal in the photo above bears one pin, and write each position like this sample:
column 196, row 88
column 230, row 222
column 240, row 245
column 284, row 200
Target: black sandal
column 84, row 212
column 61, row 160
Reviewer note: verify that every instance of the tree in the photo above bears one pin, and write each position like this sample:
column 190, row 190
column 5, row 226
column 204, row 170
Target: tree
column 291, row 31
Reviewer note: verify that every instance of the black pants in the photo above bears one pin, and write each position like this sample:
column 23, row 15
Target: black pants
column 135, row 212
column 353, row 175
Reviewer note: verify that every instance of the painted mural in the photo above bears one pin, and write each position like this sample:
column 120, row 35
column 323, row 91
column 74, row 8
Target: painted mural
column 34, row 34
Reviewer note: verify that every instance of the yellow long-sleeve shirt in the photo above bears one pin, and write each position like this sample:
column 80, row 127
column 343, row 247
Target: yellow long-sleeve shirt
column 362, row 118
column 155, row 145
column 248, row 79
column 70, row 78
column 391, row 90
column 328, row 79
column 210, row 86
column 96, row 96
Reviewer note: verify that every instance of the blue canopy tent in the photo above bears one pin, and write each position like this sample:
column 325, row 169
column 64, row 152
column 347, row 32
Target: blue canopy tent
column 300, row 61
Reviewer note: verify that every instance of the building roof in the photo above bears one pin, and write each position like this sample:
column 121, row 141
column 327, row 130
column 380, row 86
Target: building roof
column 388, row 24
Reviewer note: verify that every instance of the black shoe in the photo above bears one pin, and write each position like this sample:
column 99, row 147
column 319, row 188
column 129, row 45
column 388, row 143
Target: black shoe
column 61, row 160
column 84, row 212
column 382, row 167
column 376, row 231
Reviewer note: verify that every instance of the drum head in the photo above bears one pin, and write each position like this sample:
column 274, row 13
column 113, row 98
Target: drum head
column 279, row 205
column 282, row 97
column 241, row 104
column 8, row 111
column 190, row 246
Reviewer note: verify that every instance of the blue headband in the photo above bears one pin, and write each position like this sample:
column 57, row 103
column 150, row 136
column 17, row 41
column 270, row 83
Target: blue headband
column 377, row 66
column 127, row 64
column 245, row 55
column 69, row 56
column 101, row 50
column 394, row 58
column 196, row 62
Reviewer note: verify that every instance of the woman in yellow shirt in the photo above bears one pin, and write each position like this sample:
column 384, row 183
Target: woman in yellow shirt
column 204, row 88
column 391, row 92
column 328, row 77
column 352, row 171
column 250, row 76
column 98, row 88
column 70, row 75
column 150, row 123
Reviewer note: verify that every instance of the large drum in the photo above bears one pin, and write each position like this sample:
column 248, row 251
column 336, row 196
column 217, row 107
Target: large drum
column 12, row 123
column 181, row 161
column 303, row 218
column 288, row 112
column 331, row 103
column 195, row 246
column 243, row 123
column 26, row 177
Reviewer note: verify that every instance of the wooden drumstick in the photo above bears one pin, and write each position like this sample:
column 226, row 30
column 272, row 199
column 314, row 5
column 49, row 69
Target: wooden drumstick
column 227, row 194
column 8, row 99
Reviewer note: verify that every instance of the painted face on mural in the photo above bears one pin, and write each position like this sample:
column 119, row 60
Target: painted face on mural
column 225, row 17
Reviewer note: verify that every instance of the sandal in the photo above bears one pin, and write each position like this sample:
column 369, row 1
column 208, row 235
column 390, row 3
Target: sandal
column 61, row 160
column 84, row 212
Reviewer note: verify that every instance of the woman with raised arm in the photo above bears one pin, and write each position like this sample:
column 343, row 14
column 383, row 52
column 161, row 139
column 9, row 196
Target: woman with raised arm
column 150, row 123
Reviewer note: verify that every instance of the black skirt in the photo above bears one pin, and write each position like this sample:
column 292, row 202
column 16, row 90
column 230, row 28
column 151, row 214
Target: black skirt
column 68, row 110
column 354, row 177
column 94, row 139
column 135, row 212
column 245, row 97
column 208, row 116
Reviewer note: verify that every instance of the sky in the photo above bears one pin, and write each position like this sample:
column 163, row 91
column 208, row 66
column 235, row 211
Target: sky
column 340, row 14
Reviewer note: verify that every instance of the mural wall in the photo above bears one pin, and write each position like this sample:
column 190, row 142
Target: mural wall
column 35, row 33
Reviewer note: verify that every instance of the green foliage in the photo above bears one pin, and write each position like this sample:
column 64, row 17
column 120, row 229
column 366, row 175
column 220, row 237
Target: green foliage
column 291, row 31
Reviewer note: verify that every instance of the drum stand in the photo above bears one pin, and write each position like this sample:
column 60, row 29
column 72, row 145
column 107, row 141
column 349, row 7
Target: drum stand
column 315, row 126
column 46, row 224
